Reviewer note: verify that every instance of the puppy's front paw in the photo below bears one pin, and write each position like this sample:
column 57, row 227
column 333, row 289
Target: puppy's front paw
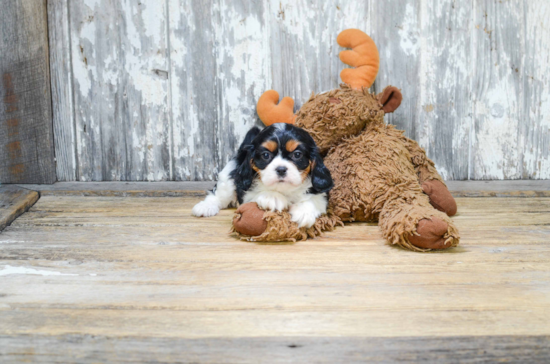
column 205, row 209
column 304, row 215
column 272, row 201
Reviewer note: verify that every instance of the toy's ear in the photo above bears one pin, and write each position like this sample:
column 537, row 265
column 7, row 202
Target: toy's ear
column 320, row 175
column 390, row 99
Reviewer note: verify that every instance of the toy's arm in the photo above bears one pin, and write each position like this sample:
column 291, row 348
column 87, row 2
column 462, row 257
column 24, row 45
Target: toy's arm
column 431, row 182
column 271, row 113
column 423, row 166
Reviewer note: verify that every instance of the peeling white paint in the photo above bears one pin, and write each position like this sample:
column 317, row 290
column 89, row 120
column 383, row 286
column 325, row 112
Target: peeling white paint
column 180, row 79
column 408, row 31
column 9, row 270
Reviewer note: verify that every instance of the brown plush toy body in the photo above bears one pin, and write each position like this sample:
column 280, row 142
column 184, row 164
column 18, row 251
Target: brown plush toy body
column 379, row 174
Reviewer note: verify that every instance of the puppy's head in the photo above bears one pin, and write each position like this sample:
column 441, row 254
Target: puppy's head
column 284, row 156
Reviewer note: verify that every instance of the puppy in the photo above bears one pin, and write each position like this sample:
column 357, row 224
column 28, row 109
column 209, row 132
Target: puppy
column 279, row 168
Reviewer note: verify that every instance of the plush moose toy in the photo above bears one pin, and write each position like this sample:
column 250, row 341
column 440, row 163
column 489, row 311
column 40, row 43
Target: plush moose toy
column 378, row 173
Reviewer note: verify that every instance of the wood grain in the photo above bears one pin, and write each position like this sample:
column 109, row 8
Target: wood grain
column 497, row 90
column 14, row 201
column 474, row 76
column 194, row 89
column 444, row 105
column 119, row 55
column 396, row 30
column 62, row 90
column 26, row 137
column 105, row 278
column 93, row 349
column 517, row 188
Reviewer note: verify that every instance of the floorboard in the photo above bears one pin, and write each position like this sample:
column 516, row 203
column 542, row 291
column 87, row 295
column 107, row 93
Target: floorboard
column 508, row 188
column 140, row 279
column 14, row 201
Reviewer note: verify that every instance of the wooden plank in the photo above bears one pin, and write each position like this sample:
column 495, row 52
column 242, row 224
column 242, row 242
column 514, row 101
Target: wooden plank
column 243, row 69
column 62, row 90
column 111, row 277
column 510, row 188
column 521, row 188
column 26, row 136
column 194, row 90
column 102, row 212
column 119, row 54
column 14, row 201
column 396, row 31
column 124, row 189
column 534, row 142
column 93, row 349
column 497, row 89
column 500, row 186
column 444, row 115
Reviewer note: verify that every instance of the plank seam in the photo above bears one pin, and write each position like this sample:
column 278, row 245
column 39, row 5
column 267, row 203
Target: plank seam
column 170, row 95
column 73, row 109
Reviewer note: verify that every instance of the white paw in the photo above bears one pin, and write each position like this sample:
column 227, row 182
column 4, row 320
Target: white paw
column 304, row 215
column 205, row 209
column 272, row 201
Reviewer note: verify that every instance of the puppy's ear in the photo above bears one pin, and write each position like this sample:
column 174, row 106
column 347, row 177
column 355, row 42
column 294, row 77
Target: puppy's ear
column 244, row 174
column 320, row 175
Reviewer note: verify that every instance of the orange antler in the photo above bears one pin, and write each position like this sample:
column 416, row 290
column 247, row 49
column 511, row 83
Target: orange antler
column 271, row 113
column 363, row 56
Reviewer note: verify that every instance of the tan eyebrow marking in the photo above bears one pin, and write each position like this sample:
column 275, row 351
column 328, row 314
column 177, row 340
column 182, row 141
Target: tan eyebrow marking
column 270, row 145
column 291, row 145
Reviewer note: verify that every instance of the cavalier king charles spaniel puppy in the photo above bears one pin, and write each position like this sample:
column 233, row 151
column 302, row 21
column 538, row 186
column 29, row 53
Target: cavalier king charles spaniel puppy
column 279, row 168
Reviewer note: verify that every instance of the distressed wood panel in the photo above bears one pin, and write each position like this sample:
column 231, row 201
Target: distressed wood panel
column 195, row 96
column 497, row 89
column 26, row 136
column 444, row 113
column 243, row 68
column 62, row 90
column 396, row 32
column 474, row 75
column 121, row 85
column 534, row 142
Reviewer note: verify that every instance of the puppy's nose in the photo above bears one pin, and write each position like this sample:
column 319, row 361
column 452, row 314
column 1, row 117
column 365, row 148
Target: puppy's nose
column 281, row 171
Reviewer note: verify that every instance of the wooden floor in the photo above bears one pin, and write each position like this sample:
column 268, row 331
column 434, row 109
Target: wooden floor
column 94, row 279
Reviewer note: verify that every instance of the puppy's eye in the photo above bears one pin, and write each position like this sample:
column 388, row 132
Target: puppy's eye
column 266, row 156
column 297, row 155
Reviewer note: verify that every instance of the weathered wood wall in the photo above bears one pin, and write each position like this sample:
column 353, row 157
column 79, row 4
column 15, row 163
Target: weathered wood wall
column 165, row 90
column 26, row 135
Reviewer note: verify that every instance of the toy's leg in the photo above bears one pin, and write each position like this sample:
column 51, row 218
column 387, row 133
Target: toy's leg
column 253, row 224
column 414, row 224
column 431, row 182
